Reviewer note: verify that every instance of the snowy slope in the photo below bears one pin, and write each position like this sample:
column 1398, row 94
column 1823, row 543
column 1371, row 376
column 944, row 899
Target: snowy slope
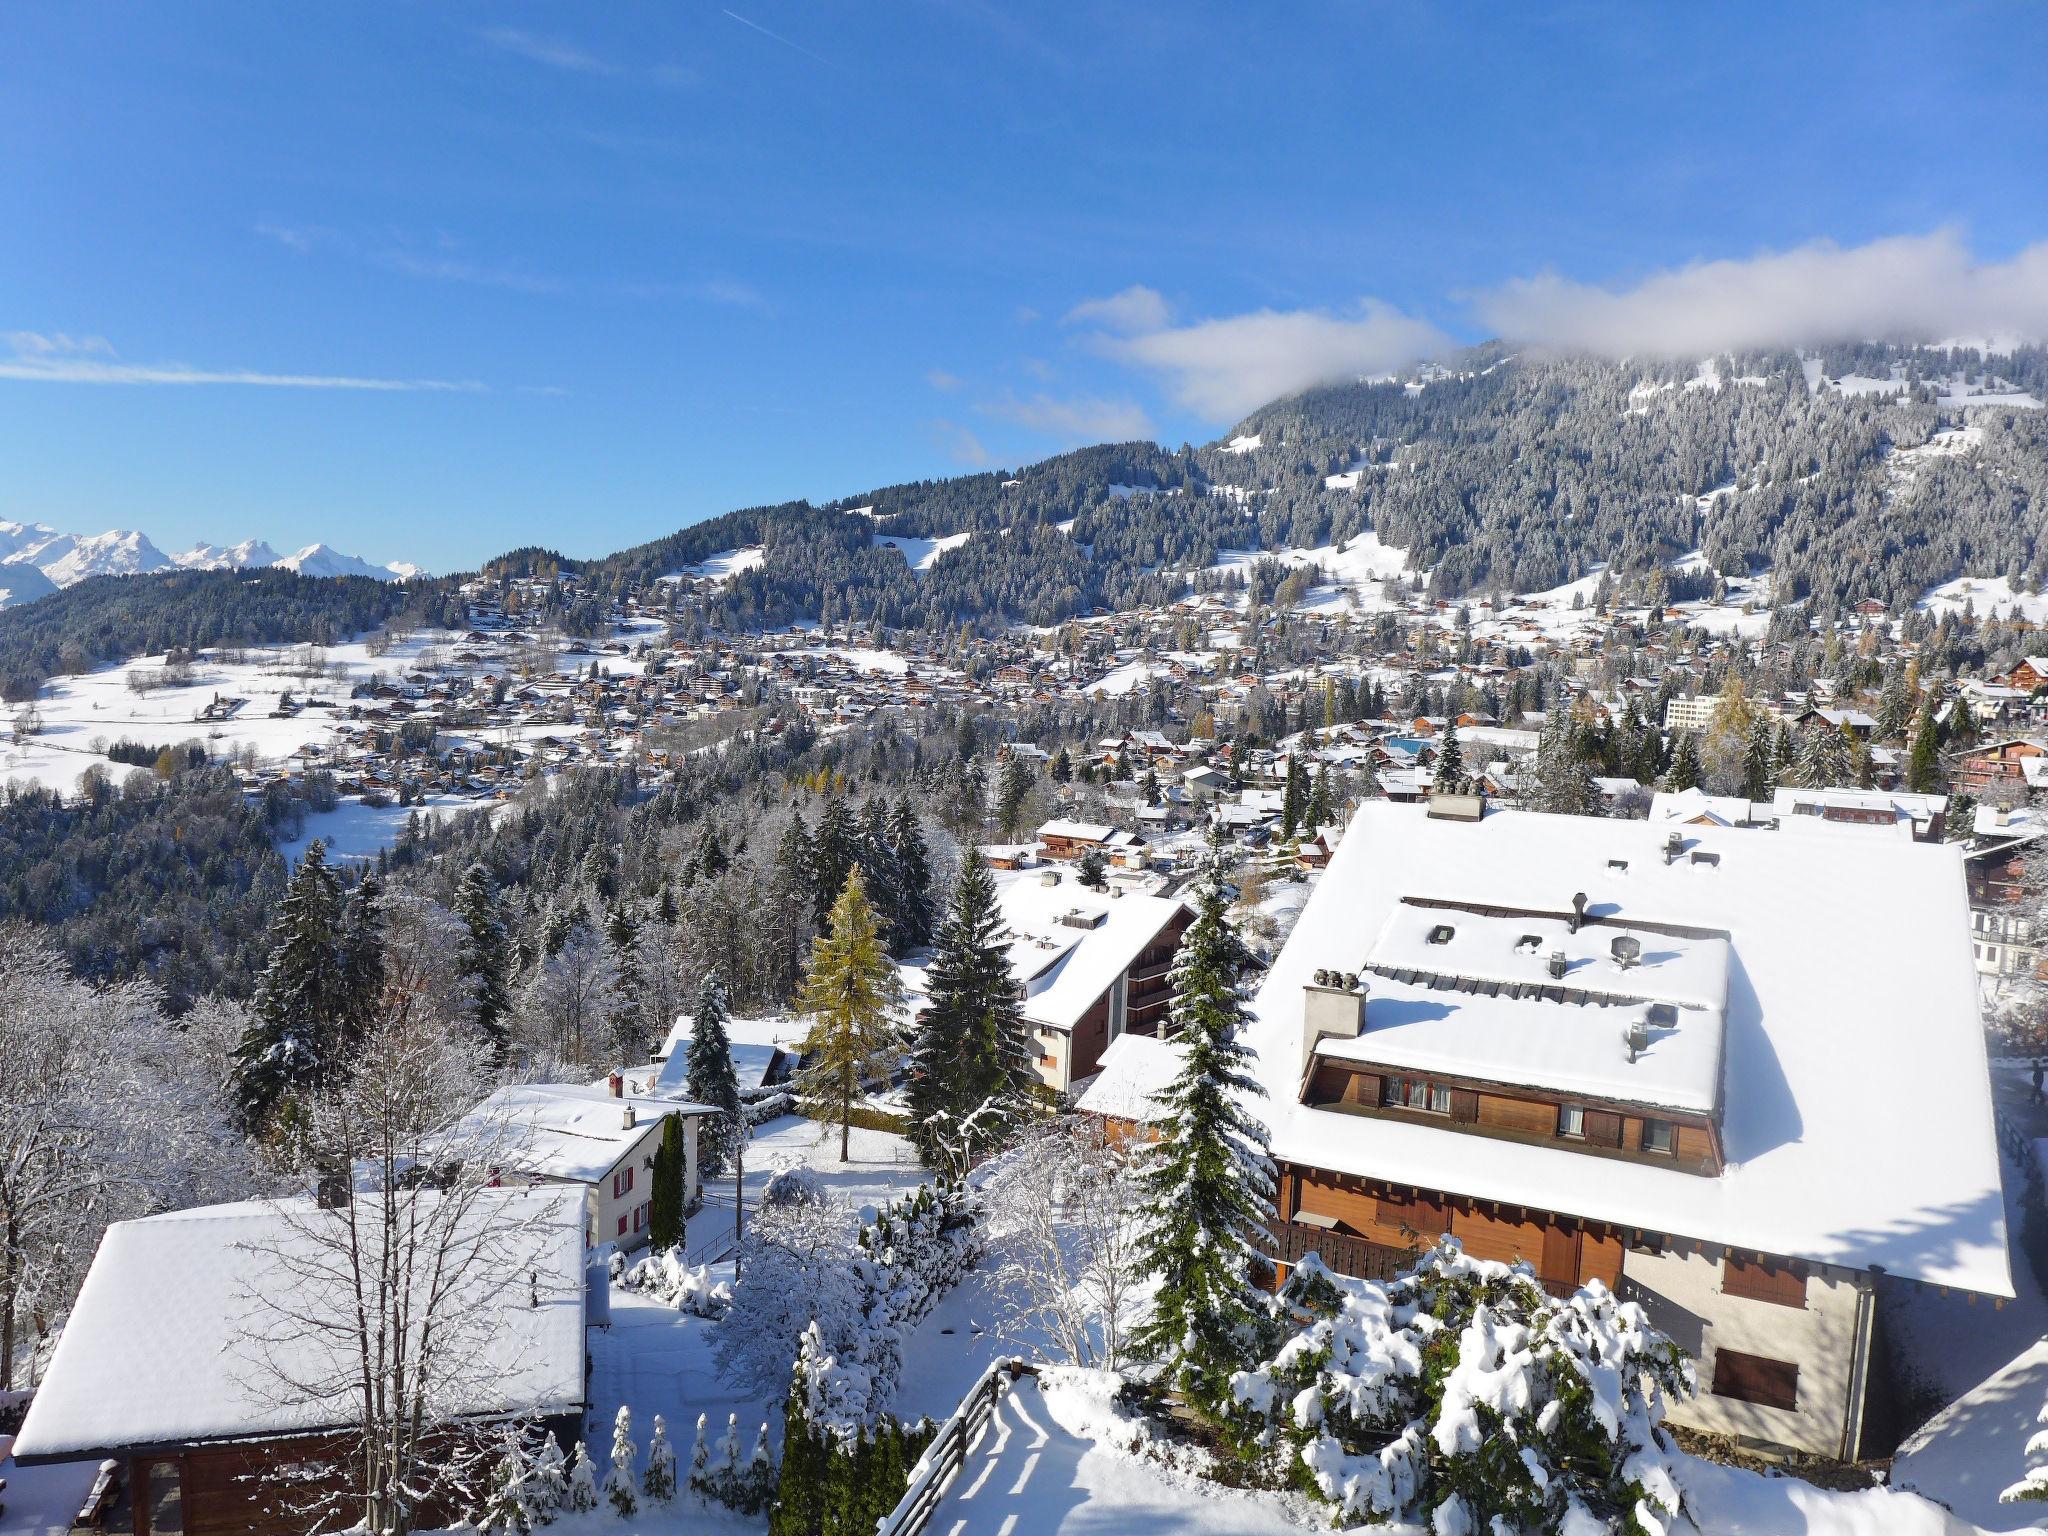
column 23, row 584
column 325, row 560
column 920, row 553
column 721, row 567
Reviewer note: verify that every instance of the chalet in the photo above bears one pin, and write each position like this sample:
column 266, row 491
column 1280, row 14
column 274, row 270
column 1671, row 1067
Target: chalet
column 1735, row 1076
column 1997, row 765
column 1065, row 839
column 155, row 1393
column 2029, row 675
column 1125, row 1093
column 600, row 1139
column 1090, row 966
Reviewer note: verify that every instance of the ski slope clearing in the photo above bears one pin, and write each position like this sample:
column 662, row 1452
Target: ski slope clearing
column 721, row 567
column 1986, row 597
column 919, row 553
column 1243, row 444
column 1353, row 573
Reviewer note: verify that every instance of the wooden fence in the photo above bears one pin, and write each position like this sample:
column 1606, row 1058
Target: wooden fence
column 948, row 1452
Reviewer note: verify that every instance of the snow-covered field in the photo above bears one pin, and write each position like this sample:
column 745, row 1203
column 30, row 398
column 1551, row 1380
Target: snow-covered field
column 1354, row 572
column 353, row 831
column 920, row 553
column 1987, row 597
column 721, row 567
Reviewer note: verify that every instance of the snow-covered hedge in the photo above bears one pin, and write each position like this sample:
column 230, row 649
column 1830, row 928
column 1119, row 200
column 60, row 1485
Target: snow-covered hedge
column 1463, row 1393
column 666, row 1278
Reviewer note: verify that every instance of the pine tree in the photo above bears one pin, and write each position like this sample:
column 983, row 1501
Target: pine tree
column 1322, row 808
column 876, row 857
column 1823, row 759
column 1209, row 1176
column 851, row 993
column 658, row 1482
column 1013, row 791
column 1062, row 769
column 835, row 853
column 1757, row 763
column 1450, row 759
column 914, row 876
column 971, row 1063
column 582, row 1495
column 666, row 1198
column 1923, row 765
column 1294, row 797
column 484, row 956
column 362, row 964
column 1685, row 771
column 790, row 897
column 712, row 1079
column 302, row 999
column 619, row 1484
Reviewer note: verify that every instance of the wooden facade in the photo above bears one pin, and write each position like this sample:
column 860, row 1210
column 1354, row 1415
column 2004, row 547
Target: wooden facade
column 1605, row 1128
column 1356, row 1223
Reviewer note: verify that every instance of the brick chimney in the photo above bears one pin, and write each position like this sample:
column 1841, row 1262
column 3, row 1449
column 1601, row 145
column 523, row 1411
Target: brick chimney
column 617, row 1083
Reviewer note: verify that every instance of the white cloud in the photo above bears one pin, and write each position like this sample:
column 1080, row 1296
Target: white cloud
column 958, row 443
column 945, row 383
column 62, row 359
column 1078, row 418
column 547, row 50
column 1221, row 369
column 1137, row 308
column 1905, row 288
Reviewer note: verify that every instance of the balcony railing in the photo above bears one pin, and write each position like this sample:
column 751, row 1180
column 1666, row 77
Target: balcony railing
column 1292, row 1241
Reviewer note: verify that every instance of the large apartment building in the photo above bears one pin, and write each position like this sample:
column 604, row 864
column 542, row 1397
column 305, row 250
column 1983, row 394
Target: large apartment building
column 1735, row 1076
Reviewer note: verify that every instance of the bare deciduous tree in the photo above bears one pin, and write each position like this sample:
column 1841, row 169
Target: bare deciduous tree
column 388, row 1297
column 1065, row 1210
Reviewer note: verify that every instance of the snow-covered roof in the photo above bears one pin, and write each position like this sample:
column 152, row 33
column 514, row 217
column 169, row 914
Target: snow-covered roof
column 1084, row 832
column 1574, row 1046
column 1135, row 1069
column 755, row 1045
column 1695, row 804
column 1068, row 943
column 1856, row 1107
column 169, row 1341
column 568, row 1131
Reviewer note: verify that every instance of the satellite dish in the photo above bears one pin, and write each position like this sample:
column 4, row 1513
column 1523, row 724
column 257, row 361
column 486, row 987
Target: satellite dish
column 1627, row 949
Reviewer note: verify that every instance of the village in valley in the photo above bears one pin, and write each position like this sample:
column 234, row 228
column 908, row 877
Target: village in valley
column 1502, row 1039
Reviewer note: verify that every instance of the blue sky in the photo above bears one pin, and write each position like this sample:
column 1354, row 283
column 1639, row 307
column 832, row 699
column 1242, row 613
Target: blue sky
column 614, row 268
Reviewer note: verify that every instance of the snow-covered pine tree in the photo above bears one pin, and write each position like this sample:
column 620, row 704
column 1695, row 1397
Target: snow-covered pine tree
column 712, row 1079
column 620, row 1490
column 1208, row 1177
column 790, row 886
column 581, row 1497
column 658, row 1482
column 700, row 1458
column 835, row 854
column 1450, row 758
column 971, row 1069
column 757, row 1482
column 484, row 956
column 1293, row 796
column 1322, row 806
column 876, row 857
column 725, row 1463
column 1013, row 792
column 1923, row 763
column 852, row 995
column 301, row 999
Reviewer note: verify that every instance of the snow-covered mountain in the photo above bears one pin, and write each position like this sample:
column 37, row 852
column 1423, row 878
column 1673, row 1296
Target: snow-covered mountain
column 36, row 559
column 250, row 554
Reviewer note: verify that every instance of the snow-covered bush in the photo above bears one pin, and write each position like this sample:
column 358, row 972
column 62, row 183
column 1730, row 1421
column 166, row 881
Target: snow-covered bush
column 666, row 1278
column 837, row 1480
column 2034, row 1485
column 722, row 1474
column 804, row 1267
column 581, row 1497
column 1464, row 1394
column 528, row 1484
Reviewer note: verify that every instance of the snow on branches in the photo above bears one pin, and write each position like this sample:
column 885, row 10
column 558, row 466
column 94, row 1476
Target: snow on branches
column 1463, row 1393
column 666, row 1278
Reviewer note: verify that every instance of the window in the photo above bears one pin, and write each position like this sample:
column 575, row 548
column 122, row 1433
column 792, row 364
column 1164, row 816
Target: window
column 164, row 1511
column 1416, row 1093
column 1571, row 1120
column 1754, row 1379
column 1785, row 1287
column 1658, row 1136
column 639, row 1217
column 1440, row 1100
column 1442, row 933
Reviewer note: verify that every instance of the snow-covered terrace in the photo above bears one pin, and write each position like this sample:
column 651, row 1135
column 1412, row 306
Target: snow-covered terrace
column 1857, row 1117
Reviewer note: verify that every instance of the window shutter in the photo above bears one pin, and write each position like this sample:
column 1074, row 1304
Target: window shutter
column 1754, row 1379
column 1464, row 1105
column 1763, row 1282
column 1365, row 1089
column 1603, row 1129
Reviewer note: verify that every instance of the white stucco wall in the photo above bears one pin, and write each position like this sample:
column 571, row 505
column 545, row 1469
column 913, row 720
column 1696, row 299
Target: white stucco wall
column 1681, row 1290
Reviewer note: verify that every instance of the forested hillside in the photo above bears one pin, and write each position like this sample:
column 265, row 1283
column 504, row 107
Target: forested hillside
column 1865, row 471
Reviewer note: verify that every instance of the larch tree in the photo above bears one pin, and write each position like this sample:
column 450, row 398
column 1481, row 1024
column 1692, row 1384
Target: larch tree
column 1209, row 1177
column 851, row 993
